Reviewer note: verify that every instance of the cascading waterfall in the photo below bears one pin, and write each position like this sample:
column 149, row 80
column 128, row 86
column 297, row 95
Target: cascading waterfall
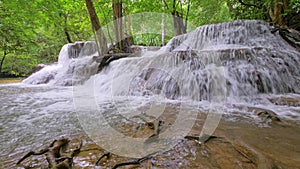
column 242, row 56
column 213, row 67
column 242, row 64
column 236, row 59
column 75, row 65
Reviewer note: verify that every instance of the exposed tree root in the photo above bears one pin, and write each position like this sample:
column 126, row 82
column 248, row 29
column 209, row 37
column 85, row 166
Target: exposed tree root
column 107, row 155
column 135, row 162
column 56, row 154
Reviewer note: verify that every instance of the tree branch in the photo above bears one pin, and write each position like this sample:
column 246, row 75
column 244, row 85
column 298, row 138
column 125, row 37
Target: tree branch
column 166, row 4
column 3, row 58
column 250, row 5
column 187, row 14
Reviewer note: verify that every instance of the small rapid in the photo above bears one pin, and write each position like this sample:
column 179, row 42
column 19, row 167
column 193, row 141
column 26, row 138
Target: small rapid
column 241, row 66
column 31, row 116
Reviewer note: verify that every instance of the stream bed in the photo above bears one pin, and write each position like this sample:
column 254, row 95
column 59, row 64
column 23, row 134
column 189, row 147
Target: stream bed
column 222, row 96
column 33, row 116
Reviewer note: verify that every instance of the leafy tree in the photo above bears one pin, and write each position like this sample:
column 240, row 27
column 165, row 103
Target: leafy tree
column 17, row 31
column 281, row 12
column 35, row 36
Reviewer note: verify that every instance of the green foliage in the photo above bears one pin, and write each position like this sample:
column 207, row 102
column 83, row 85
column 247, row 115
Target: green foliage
column 295, row 5
column 209, row 12
column 150, row 39
column 19, row 65
column 255, row 9
column 32, row 32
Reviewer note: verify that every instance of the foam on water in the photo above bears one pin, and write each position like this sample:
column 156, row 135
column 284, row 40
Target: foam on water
column 245, row 53
column 75, row 65
column 238, row 63
column 230, row 62
column 240, row 60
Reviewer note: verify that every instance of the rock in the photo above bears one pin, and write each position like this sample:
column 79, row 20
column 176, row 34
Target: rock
column 80, row 49
column 107, row 58
column 38, row 68
column 139, row 50
column 290, row 101
column 292, row 36
column 264, row 114
column 153, row 81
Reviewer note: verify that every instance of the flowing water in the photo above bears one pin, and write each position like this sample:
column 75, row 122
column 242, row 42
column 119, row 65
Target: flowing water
column 231, row 65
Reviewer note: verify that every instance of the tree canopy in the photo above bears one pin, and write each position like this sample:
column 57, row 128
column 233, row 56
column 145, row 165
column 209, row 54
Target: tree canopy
column 33, row 32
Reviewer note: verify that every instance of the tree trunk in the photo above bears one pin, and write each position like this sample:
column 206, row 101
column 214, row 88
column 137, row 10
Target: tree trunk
column 277, row 11
column 129, row 31
column 122, row 43
column 2, row 60
column 107, row 26
column 100, row 37
column 66, row 29
column 229, row 6
column 280, row 7
column 187, row 16
column 178, row 21
column 117, row 12
column 179, row 25
column 68, row 35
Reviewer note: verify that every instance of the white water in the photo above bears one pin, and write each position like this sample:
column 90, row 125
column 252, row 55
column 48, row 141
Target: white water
column 241, row 58
column 75, row 65
column 240, row 62
column 229, row 63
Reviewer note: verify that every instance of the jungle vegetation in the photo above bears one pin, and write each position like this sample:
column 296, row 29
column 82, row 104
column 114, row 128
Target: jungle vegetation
column 32, row 32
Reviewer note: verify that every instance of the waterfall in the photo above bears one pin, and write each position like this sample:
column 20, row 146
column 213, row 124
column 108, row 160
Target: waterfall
column 235, row 68
column 75, row 65
column 236, row 59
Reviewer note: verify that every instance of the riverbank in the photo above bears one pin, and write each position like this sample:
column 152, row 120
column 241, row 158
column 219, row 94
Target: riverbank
column 235, row 144
column 11, row 80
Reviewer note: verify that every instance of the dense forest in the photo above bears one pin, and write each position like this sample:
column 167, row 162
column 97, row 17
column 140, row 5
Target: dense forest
column 32, row 32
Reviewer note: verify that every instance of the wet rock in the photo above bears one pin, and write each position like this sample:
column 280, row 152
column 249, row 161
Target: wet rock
column 107, row 58
column 291, row 36
column 79, row 49
column 264, row 114
column 140, row 50
column 289, row 101
column 154, row 81
column 38, row 68
column 236, row 145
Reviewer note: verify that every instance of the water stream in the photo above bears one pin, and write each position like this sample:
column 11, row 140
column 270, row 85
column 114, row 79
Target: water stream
column 238, row 63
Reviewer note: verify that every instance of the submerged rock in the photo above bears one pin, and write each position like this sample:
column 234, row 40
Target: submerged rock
column 235, row 145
